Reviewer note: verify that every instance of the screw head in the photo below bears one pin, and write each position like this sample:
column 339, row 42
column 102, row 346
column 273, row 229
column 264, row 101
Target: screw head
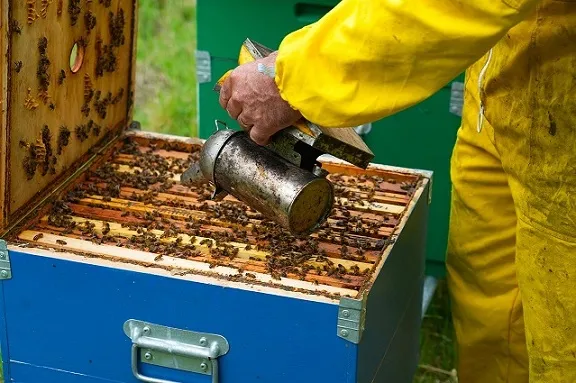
column 2, row 256
column 344, row 333
column 203, row 366
column 203, row 341
column 345, row 313
column 148, row 356
column 4, row 273
column 146, row 330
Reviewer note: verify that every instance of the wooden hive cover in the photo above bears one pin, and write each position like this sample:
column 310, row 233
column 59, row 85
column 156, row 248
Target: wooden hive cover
column 67, row 84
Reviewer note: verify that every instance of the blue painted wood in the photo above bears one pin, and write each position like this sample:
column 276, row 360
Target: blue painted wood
column 68, row 316
column 29, row 373
column 4, row 337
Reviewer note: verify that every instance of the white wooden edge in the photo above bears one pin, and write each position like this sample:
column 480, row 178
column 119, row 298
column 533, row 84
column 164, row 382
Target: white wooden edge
column 181, row 268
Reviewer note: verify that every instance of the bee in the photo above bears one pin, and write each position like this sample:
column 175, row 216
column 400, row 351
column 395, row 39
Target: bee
column 38, row 236
column 88, row 89
column 61, row 242
column 44, row 9
column 15, row 27
column 89, row 20
column 61, row 77
column 32, row 14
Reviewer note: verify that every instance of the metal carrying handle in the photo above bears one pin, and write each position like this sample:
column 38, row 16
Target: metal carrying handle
column 148, row 379
column 174, row 348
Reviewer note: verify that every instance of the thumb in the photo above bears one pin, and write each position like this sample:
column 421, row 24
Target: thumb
column 259, row 136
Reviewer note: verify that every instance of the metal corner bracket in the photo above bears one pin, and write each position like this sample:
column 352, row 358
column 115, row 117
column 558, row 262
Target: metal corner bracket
column 203, row 67
column 351, row 319
column 430, row 189
column 5, row 268
column 174, row 348
column 457, row 98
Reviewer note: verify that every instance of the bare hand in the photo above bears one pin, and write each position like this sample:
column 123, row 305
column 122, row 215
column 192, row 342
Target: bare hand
column 252, row 98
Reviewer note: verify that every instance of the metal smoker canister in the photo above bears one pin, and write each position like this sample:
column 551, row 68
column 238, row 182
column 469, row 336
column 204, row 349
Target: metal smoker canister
column 297, row 199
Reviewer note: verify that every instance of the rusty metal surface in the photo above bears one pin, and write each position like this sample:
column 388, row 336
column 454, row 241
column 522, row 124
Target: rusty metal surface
column 295, row 198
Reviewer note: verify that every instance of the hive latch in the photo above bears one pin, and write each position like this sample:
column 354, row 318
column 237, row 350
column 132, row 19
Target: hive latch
column 5, row 268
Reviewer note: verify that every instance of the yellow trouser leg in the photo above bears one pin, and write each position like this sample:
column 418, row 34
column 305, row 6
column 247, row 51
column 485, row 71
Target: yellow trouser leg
column 487, row 308
column 512, row 249
column 547, row 276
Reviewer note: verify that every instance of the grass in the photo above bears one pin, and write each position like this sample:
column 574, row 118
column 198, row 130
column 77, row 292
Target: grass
column 166, row 72
column 437, row 352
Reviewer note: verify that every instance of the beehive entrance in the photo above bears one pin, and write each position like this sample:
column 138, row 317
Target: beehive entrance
column 132, row 206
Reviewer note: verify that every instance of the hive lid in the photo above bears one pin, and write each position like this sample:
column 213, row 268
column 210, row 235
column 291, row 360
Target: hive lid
column 67, row 84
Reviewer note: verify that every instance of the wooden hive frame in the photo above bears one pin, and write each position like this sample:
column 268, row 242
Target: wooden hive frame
column 120, row 210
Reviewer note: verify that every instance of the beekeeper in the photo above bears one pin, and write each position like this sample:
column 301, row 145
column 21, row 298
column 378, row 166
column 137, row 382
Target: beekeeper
column 512, row 248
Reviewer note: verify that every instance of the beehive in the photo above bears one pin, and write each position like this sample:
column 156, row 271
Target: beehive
column 88, row 197
column 73, row 90
column 131, row 206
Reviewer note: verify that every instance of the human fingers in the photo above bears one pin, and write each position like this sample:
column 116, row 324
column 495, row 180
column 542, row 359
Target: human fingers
column 225, row 93
column 259, row 136
column 245, row 122
column 234, row 108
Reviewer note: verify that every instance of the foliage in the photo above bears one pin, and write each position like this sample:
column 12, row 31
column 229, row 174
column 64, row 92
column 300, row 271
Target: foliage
column 166, row 77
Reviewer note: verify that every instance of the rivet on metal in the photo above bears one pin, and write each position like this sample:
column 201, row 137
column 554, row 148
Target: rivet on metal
column 146, row 330
column 2, row 256
column 203, row 341
column 344, row 333
column 203, row 366
column 346, row 313
column 4, row 273
column 148, row 356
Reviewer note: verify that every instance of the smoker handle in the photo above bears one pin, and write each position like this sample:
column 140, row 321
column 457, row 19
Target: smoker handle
column 147, row 379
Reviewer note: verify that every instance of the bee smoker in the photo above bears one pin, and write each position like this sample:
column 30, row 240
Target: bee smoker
column 297, row 199
column 282, row 180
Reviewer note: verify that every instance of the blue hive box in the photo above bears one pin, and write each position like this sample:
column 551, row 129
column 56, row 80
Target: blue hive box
column 111, row 270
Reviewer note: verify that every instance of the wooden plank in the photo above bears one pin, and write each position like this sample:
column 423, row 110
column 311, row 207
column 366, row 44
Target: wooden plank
column 126, row 162
column 347, row 135
column 332, row 247
column 178, row 265
column 204, row 244
column 188, row 211
column 37, row 105
column 342, row 168
column 376, row 207
column 4, row 105
column 248, row 265
column 131, row 96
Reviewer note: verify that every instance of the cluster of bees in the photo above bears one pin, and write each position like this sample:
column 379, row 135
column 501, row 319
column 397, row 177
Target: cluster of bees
column 219, row 223
column 40, row 152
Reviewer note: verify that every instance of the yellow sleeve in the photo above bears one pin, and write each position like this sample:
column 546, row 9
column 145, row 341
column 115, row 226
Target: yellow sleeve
column 367, row 59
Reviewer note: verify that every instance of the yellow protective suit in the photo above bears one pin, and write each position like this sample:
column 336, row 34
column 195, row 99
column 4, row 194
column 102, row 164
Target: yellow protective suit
column 512, row 248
